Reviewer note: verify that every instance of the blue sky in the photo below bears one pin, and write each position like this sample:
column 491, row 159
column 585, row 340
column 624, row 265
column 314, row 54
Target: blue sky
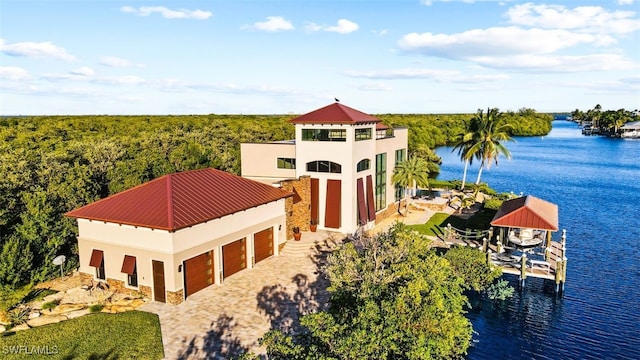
column 278, row 57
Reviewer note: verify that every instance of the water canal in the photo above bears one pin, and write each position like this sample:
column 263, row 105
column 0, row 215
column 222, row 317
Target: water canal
column 596, row 183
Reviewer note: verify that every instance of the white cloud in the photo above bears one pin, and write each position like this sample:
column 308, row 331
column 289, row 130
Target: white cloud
column 313, row 27
column 12, row 73
column 431, row 2
column 83, row 71
column 625, row 2
column 552, row 63
column 411, row 73
column 592, row 19
column 113, row 61
column 168, row 13
column 443, row 76
column 373, row 87
column 380, row 32
column 497, row 41
column 36, row 50
column 343, row 26
column 122, row 80
column 272, row 24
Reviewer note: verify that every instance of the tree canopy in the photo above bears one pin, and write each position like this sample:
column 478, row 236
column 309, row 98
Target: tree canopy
column 392, row 297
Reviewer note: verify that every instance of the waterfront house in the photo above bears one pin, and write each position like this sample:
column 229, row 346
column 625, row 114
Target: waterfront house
column 630, row 130
column 175, row 235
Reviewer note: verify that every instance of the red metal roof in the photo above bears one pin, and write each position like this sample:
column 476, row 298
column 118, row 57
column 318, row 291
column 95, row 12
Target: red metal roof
column 335, row 113
column 381, row 126
column 180, row 200
column 527, row 212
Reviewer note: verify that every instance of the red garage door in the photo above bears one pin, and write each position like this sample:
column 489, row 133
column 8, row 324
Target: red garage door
column 234, row 257
column 198, row 273
column 263, row 244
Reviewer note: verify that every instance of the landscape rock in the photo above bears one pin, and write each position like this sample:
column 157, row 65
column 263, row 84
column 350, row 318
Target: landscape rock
column 77, row 313
column 20, row 327
column 34, row 315
column 137, row 303
column 123, row 302
column 52, row 297
column 2, row 329
column 65, row 308
column 45, row 320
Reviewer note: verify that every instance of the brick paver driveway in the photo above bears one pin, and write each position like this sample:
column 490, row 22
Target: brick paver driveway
column 226, row 320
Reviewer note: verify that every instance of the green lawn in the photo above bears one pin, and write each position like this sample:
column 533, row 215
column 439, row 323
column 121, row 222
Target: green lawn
column 129, row 335
column 437, row 222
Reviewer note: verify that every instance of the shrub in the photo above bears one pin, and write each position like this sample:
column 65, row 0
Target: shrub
column 19, row 315
column 50, row 305
column 95, row 308
column 471, row 265
column 500, row 290
column 493, row 203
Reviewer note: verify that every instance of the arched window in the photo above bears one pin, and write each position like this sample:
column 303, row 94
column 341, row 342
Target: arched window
column 324, row 166
column 364, row 164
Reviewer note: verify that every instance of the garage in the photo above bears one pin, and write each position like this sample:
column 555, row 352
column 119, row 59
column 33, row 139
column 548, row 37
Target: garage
column 234, row 257
column 263, row 244
column 198, row 273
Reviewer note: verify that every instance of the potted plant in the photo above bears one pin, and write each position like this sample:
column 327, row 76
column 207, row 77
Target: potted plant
column 314, row 225
column 296, row 233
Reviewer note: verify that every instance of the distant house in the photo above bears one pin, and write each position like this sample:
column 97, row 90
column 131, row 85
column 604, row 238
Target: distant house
column 630, row 130
column 175, row 235
column 339, row 166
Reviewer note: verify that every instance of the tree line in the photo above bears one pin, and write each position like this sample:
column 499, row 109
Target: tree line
column 607, row 122
column 52, row 164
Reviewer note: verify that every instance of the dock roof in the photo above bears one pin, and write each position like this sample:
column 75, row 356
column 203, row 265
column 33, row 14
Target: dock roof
column 527, row 212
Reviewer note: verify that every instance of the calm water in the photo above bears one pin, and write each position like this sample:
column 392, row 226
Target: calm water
column 596, row 183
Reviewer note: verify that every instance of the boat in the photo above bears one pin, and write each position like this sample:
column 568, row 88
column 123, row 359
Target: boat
column 633, row 134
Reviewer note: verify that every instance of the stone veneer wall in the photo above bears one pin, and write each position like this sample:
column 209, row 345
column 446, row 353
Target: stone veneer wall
column 298, row 206
column 389, row 211
column 175, row 297
column 145, row 290
column 117, row 286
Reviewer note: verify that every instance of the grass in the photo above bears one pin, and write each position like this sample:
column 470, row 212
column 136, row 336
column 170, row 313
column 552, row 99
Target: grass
column 434, row 227
column 129, row 335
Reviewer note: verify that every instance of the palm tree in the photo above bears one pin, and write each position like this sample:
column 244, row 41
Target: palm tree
column 465, row 202
column 487, row 139
column 411, row 173
column 463, row 143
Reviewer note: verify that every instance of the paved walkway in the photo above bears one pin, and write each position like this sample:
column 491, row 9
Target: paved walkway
column 221, row 321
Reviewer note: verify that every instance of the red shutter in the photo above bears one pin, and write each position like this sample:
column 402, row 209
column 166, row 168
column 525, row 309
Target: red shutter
column 370, row 200
column 96, row 258
column 129, row 264
column 315, row 188
column 332, row 209
column 362, row 209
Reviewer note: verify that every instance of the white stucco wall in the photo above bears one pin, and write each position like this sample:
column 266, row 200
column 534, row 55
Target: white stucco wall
column 260, row 160
column 259, row 165
column 334, row 151
column 173, row 248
